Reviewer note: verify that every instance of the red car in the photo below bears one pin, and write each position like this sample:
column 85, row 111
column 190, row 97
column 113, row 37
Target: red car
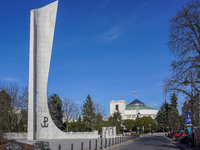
column 174, row 135
column 182, row 134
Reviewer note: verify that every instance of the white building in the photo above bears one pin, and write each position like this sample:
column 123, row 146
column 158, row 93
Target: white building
column 132, row 110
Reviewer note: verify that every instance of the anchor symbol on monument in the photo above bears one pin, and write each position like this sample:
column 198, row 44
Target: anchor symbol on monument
column 45, row 121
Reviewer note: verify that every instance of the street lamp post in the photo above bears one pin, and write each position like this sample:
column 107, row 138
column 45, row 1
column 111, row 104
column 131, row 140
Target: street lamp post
column 123, row 129
column 138, row 113
column 116, row 124
column 150, row 127
column 133, row 127
column 25, row 127
column 67, row 122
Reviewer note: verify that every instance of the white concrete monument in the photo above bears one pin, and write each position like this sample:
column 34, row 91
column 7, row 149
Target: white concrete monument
column 40, row 123
column 108, row 132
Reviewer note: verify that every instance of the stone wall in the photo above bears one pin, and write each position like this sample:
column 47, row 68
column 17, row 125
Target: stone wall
column 20, row 135
column 68, row 135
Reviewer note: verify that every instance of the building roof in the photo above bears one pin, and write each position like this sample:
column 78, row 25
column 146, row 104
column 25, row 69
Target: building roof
column 137, row 104
column 137, row 107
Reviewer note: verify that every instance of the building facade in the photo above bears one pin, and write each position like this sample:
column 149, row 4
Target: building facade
column 192, row 106
column 133, row 110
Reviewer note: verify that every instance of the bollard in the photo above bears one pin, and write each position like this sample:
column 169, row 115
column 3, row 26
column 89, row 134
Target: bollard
column 105, row 143
column 72, row 146
column 101, row 144
column 115, row 141
column 90, row 145
column 96, row 145
column 112, row 141
column 81, row 145
column 59, row 147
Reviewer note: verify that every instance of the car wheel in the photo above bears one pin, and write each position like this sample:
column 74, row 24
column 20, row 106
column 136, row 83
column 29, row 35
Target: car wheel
column 173, row 137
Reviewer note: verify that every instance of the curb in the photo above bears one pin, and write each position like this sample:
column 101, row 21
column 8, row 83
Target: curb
column 116, row 147
column 182, row 146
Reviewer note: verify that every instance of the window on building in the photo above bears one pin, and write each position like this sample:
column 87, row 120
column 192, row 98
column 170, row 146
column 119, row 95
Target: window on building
column 116, row 107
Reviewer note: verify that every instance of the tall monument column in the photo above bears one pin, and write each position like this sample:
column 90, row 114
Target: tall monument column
column 40, row 123
column 42, row 25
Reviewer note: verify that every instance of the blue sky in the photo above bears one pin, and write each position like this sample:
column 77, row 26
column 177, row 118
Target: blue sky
column 105, row 48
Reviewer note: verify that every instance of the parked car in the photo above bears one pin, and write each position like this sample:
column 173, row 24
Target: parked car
column 182, row 134
column 174, row 135
column 185, row 139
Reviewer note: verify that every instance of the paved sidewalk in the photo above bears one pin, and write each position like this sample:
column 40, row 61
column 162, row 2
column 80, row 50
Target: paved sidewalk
column 66, row 144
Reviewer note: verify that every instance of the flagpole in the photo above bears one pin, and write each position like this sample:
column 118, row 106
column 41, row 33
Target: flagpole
column 135, row 93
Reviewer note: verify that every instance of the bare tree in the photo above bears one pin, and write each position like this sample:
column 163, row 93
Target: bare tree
column 8, row 117
column 13, row 90
column 100, row 112
column 99, row 109
column 184, row 44
column 70, row 110
column 23, row 98
column 12, row 104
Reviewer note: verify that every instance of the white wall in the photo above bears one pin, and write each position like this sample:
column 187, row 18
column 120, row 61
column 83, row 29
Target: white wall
column 20, row 135
column 132, row 114
column 66, row 135
column 121, row 105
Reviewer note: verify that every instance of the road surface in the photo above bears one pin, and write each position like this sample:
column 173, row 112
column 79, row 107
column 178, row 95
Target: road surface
column 152, row 142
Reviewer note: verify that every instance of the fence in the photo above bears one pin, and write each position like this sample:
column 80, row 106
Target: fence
column 103, row 143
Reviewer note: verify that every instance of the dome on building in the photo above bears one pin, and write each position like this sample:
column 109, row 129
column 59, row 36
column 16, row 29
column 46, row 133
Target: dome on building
column 136, row 105
column 136, row 102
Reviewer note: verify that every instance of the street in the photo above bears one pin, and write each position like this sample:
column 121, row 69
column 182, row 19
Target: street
column 151, row 142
